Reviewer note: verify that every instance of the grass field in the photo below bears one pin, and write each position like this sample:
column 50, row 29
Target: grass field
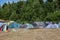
column 31, row 34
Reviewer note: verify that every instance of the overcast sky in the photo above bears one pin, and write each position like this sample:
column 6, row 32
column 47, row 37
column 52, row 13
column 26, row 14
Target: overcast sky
column 6, row 1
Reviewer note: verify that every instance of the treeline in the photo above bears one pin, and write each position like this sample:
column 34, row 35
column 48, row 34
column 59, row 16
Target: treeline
column 31, row 10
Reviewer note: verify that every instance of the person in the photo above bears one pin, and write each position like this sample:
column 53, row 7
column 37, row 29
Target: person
column 7, row 29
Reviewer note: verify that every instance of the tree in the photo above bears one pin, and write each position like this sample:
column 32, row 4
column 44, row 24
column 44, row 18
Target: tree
column 5, row 4
column 50, row 0
column 31, row 10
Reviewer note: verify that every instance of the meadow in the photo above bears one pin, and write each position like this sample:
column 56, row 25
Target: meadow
column 31, row 34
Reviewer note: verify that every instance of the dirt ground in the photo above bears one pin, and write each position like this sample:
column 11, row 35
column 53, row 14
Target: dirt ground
column 31, row 34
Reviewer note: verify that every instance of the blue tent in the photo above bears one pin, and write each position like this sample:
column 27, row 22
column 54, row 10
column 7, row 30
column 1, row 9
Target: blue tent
column 14, row 25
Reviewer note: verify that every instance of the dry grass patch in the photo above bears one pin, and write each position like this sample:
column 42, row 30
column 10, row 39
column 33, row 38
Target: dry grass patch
column 32, row 34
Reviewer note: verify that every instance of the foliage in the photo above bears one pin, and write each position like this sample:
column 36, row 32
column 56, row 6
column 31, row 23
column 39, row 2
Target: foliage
column 31, row 10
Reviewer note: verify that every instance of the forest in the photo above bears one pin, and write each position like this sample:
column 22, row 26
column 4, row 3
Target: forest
column 31, row 10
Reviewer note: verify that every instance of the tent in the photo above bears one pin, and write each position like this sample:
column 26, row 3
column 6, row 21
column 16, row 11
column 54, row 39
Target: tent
column 41, row 25
column 14, row 25
column 52, row 26
column 1, row 24
column 8, row 23
column 23, row 26
column 59, row 24
column 29, row 25
column 34, row 24
column 3, row 27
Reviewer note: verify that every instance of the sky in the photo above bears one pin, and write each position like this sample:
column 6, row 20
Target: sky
column 6, row 1
column 44, row 0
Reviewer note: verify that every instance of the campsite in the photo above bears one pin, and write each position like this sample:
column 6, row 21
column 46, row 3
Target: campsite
column 15, row 32
column 11, row 30
column 6, row 25
column 29, row 19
